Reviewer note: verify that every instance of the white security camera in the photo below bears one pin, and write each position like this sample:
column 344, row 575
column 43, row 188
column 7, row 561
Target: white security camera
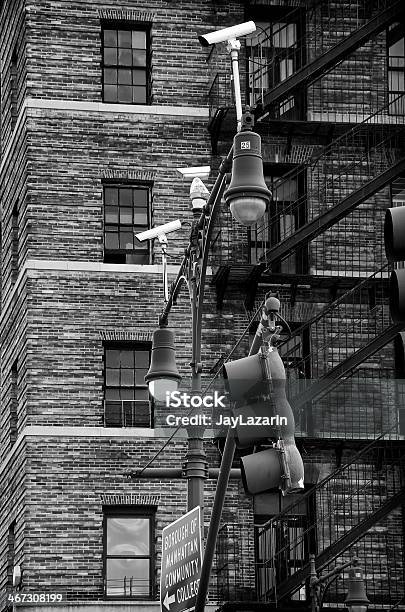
column 160, row 230
column 242, row 29
column 195, row 171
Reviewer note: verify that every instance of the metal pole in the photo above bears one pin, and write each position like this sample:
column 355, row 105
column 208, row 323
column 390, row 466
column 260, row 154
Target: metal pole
column 163, row 473
column 233, row 48
column 196, row 469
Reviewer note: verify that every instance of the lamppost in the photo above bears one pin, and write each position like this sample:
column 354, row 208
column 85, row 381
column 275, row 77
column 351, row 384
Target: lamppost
column 356, row 599
column 247, row 198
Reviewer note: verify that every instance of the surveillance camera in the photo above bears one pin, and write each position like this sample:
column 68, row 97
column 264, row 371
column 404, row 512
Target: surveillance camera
column 160, row 230
column 242, row 29
column 194, row 171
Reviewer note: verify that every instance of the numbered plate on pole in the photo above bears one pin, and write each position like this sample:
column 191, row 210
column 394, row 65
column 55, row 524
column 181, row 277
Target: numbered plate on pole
column 181, row 563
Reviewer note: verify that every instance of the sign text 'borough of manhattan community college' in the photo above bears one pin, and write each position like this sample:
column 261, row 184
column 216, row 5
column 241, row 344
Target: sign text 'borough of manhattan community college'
column 181, row 563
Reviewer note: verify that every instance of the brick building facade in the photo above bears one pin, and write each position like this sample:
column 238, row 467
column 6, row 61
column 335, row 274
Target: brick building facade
column 99, row 106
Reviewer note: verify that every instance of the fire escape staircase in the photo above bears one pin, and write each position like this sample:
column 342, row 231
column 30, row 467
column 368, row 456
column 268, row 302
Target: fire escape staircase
column 308, row 73
column 371, row 485
column 369, row 301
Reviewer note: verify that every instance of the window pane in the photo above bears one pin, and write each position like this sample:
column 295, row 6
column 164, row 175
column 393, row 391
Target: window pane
column 139, row 77
column 140, row 217
column 139, row 257
column 141, row 197
column 127, row 577
column 140, row 376
column 127, row 359
column 127, row 378
column 124, row 38
column 124, row 77
column 396, row 81
column 124, row 93
column 128, row 536
column 138, row 57
column 110, row 38
column 126, row 240
column 284, row 34
column 127, row 393
column 112, row 394
column 111, row 196
column 112, row 378
column 142, row 394
column 110, row 56
column 125, row 197
column 111, row 214
column 139, row 95
column 286, row 68
column 110, row 93
column 397, row 49
column 125, row 57
column 110, row 75
column 111, row 240
column 139, row 40
column 126, row 216
column 112, row 358
column 142, row 359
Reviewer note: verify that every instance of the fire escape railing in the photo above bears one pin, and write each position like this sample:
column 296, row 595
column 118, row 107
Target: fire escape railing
column 353, row 510
column 318, row 194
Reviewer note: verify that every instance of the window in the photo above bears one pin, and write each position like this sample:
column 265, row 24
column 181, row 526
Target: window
column 287, row 213
column 396, row 68
column 283, row 545
column 126, row 401
column 274, row 54
column 129, row 552
column 126, row 64
column 10, row 553
column 127, row 211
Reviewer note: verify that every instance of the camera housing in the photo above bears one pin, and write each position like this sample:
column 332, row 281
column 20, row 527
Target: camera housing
column 242, row 29
column 159, row 230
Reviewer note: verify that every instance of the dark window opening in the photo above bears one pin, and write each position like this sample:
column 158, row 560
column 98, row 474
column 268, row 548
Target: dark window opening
column 14, row 244
column 14, row 88
column 127, row 211
column 396, row 68
column 10, row 553
column 126, row 400
column 283, row 546
column 274, row 53
column 286, row 214
column 129, row 552
column 126, row 64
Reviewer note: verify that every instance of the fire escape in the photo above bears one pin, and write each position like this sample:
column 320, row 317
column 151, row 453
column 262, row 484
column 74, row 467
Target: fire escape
column 335, row 163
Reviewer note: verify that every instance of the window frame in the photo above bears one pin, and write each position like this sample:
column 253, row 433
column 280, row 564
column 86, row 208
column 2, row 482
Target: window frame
column 132, row 26
column 271, row 233
column 294, row 106
column 279, row 538
column 133, row 346
column 392, row 37
column 114, row 256
column 128, row 511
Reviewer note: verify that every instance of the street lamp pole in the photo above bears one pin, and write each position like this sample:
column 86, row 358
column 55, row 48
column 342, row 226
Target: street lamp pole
column 193, row 271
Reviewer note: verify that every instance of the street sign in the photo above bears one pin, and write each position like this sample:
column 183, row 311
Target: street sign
column 181, row 563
